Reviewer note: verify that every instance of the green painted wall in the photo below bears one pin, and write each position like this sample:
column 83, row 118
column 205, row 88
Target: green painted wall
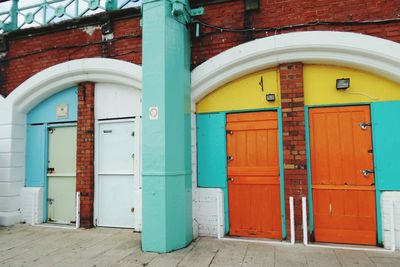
column 167, row 185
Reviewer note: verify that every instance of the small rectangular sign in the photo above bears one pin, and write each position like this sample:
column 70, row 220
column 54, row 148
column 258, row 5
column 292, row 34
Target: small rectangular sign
column 62, row 111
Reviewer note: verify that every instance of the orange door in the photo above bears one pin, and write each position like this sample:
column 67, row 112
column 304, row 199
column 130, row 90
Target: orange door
column 343, row 189
column 253, row 174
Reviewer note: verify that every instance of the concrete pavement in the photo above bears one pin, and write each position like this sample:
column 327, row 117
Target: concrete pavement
column 23, row 245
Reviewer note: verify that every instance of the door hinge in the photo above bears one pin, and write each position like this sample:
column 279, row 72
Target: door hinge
column 50, row 200
column 230, row 132
column 364, row 125
column 366, row 172
column 229, row 158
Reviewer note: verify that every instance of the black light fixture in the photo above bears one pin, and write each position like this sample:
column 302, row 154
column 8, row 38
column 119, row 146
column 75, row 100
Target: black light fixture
column 342, row 84
column 270, row 97
column 250, row 5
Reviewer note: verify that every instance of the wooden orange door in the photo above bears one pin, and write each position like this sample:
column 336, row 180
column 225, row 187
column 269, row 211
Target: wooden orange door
column 253, row 175
column 343, row 188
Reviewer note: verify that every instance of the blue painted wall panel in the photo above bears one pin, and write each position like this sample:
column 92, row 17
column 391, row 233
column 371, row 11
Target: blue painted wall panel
column 211, row 155
column 35, row 156
column 386, row 144
column 46, row 111
column 211, row 150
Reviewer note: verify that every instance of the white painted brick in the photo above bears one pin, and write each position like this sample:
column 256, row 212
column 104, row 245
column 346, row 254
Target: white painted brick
column 387, row 198
column 206, row 211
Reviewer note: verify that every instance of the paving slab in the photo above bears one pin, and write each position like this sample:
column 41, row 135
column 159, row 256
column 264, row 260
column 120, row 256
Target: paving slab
column 23, row 245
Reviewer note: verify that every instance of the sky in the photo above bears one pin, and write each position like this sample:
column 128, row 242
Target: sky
column 5, row 6
column 83, row 4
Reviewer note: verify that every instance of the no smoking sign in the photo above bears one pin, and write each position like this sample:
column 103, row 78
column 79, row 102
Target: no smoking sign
column 153, row 113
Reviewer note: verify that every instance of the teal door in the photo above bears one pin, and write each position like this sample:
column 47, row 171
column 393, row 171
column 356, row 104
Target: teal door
column 61, row 174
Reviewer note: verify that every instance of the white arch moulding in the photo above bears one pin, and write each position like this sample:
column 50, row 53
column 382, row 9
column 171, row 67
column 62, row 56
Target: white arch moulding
column 354, row 50
column 14, row 107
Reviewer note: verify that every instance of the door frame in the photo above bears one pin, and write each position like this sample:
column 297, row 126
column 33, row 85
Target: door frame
column 281, row 162
column 46, row 162
column 309, row 172
column 136, row 171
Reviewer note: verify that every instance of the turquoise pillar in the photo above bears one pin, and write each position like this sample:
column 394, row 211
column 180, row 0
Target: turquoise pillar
column 166, row 168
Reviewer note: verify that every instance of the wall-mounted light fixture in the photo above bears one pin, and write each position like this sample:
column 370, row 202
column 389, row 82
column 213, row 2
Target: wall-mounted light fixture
column 342, row 84
column 250, row 5
column 270, row 97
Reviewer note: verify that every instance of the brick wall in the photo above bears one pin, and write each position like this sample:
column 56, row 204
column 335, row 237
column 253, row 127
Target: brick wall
column 273, row 15
column 32, row 53
column 85, row 152
column 294, row 142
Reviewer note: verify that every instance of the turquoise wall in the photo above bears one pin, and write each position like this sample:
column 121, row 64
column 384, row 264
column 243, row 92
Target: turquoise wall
column 37, row 138
column 45, row 112
column 211, row 155
column 166, row 147
column 386, row 144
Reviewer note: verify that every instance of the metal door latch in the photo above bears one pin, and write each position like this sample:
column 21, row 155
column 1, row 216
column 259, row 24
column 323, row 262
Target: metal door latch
column 364, row 125
column 229, row 158
column 231, row 179
column 50, row 200
column 366, row 172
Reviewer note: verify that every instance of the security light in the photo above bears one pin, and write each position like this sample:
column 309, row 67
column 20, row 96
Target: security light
column 343, row 83
column 270, row 97
column 250, row 5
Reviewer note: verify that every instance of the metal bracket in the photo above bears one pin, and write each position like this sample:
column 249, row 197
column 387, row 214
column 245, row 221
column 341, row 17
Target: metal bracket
column 197, row 12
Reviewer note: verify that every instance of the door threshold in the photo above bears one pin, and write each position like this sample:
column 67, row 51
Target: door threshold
column 256, row 240
column 57, row 225
column 348, row 247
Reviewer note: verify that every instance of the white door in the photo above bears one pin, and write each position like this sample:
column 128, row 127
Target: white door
column 61, row 174
column 115, row 174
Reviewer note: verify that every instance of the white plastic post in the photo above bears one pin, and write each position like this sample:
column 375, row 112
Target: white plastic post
column 305, row 230
column 292, row 232
column 392, row 227
column 218, row 221
column 78, row 210
column 34, row 205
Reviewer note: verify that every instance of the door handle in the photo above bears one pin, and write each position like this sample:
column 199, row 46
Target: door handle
column 366, row 172
column 231, row 179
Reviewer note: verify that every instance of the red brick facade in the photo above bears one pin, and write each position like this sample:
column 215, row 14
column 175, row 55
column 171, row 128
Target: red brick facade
column 29, row 54
column 85, row 152
column 294, row 142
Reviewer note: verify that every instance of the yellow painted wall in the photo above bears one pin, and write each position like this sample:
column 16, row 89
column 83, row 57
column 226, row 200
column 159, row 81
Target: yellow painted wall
column 320, row 86
column 243, row 94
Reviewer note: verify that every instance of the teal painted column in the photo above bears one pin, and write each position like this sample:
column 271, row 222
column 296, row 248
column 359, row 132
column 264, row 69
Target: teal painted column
column 166, row 167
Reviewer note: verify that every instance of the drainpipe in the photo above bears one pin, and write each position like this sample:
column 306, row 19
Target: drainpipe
column 166, row 154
